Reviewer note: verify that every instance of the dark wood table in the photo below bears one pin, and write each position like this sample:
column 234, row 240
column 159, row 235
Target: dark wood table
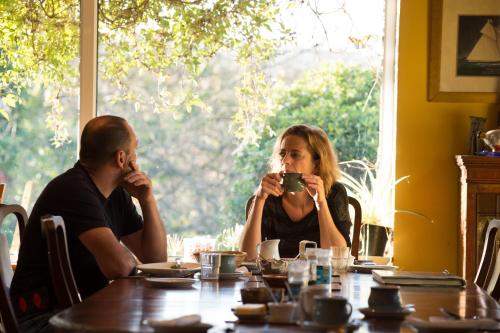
column 125, row 303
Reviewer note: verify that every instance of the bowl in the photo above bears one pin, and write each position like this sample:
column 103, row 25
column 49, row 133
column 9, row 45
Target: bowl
column 240, row 256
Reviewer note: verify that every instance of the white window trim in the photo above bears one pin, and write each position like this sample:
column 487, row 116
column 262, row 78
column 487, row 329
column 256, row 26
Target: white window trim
column 88, row 63
column 388, row 103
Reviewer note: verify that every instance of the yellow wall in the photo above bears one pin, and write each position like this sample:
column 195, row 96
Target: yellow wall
column 429, row 135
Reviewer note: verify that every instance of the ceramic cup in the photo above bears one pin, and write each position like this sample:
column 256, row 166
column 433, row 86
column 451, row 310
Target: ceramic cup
column 331, row 311
column 227, row 263
column 306, row 299
column 292, row 182
column 385, row 298
column 282, row 313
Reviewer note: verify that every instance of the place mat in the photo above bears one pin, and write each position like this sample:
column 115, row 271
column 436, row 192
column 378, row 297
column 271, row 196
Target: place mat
column 368, row 268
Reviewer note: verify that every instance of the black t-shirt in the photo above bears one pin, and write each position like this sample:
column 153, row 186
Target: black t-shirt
column 74, row 196
column 276, row 224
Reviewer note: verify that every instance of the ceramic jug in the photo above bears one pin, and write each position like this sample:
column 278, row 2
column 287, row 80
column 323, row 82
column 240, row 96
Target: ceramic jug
column 269, row 249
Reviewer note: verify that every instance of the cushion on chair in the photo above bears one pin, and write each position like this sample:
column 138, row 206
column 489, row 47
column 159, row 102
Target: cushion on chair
column 5, row 265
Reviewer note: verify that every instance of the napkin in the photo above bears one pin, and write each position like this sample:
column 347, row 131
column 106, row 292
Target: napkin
column 437, row 323
column 188, row 320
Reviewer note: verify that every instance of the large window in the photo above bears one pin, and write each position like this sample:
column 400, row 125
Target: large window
column 207, row 85
column 207, row 104
column 39, row 44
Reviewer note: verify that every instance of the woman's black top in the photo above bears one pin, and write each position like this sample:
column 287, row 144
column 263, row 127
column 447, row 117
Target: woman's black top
column 276, row 224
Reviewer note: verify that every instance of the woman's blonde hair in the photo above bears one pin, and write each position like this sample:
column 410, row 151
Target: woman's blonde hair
column 320, row 148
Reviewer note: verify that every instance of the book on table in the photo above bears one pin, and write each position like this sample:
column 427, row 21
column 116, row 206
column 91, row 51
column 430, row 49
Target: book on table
column 417, row 278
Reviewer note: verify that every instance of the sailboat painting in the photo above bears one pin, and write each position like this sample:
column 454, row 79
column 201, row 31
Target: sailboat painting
column 478, row 46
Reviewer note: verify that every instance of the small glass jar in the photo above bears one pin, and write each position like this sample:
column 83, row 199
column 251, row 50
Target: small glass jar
column 324, row 267
column 298, row 276
column 313, row 263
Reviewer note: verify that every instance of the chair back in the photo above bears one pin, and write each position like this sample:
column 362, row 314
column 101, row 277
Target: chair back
column 2, row 191
column 61, row 273
column 490, row 263
column 357, row 226
column 22, row 219
column 7, row 313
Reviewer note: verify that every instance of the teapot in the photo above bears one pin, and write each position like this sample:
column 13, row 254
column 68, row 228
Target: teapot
column 492, row 139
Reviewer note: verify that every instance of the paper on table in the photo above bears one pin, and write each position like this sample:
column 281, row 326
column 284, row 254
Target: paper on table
column 436, row 323
column 180, row 321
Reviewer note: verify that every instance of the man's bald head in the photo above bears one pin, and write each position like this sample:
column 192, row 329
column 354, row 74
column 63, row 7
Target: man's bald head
column 102, row 137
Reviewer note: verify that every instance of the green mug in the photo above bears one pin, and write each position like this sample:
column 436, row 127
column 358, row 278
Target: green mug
column 292, row 182
column 227, row 263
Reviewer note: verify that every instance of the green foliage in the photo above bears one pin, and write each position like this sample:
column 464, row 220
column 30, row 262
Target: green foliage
column 342, row 100
column 40, row 44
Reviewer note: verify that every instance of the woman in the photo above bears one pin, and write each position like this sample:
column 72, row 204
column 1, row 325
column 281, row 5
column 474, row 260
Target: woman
column 319, row 213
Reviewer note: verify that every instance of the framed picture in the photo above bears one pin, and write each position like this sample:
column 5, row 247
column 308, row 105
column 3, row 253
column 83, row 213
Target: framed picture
column 464, row 51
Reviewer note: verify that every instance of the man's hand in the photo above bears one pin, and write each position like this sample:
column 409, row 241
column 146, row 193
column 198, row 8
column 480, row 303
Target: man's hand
column 137, row 184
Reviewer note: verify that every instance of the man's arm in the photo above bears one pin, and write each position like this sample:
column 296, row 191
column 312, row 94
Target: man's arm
column 150, row 243
column 113, row 259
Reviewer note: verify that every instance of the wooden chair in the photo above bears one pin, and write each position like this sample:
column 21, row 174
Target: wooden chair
column 489, row 267
column 357, row 222
column 357, row 226
column 9, row 320
column 63, row 280
column 22, row 218
column 2, row 192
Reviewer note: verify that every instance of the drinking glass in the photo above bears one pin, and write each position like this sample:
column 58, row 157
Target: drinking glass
column 210, row 265
column 340, row 259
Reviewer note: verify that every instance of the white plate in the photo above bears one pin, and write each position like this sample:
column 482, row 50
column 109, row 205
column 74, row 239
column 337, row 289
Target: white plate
column 171, row 282
column 165, row 269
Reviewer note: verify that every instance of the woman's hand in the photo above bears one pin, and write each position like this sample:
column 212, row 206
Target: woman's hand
column 315, row 188
column 270, row 184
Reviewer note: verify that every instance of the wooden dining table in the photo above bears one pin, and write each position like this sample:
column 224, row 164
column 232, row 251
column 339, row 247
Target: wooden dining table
column 126, row 303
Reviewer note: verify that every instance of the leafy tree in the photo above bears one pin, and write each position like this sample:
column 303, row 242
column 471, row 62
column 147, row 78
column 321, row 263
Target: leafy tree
column 342, row 100
column 40, row 43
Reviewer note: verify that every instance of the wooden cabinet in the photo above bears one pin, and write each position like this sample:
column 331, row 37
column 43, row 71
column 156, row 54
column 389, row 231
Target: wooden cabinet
column 479, row 203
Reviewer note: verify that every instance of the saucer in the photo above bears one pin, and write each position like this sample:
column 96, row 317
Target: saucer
column 251, row 318
column 392, row 314
column 171, row 282
column 313, row 326
column 231, row 276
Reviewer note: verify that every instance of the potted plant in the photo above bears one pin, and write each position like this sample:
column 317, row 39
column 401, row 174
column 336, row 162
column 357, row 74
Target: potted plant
column 373, row 194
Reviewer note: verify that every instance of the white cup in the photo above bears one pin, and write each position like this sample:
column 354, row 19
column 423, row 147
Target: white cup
column 282, row 313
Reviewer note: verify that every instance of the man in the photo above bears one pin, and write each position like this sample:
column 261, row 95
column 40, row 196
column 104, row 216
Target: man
column 94, row 199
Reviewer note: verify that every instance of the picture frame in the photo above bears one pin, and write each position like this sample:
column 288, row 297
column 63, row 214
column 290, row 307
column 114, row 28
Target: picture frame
column 463, row 61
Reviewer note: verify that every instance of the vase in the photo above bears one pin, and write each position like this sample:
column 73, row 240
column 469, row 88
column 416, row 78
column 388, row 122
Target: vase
column 373, row 240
